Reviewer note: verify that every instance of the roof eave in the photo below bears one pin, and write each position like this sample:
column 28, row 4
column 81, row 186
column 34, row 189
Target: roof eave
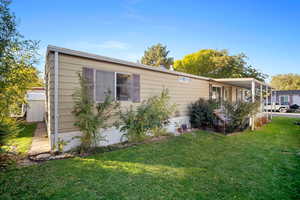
column 118, row 61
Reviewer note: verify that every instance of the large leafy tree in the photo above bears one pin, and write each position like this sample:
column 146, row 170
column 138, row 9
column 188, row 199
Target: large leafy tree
column 157, row 55
column 218, row 64
column 286, row 82
column 17, row 59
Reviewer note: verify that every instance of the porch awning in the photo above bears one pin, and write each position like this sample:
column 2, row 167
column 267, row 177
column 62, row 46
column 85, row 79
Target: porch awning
column 242, row 82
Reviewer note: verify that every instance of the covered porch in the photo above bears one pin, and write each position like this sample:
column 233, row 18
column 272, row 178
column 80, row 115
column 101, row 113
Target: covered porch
column 257, row 92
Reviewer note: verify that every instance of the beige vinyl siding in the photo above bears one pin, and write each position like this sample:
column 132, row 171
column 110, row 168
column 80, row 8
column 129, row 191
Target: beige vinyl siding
column 49, row 71
column 151, row 83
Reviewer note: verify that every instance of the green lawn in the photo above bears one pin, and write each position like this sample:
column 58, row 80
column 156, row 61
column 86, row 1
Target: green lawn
column 20, row 142
column 255, row 165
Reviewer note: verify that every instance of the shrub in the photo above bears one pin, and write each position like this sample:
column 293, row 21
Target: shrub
column 258, row 122
column 90, row 117
column 201, row 113
column 264, row 120
column 238, row 114
column 8, row 126
column 149, row 117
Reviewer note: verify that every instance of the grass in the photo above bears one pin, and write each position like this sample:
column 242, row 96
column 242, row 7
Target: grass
column 20, row 142
column 254, row 165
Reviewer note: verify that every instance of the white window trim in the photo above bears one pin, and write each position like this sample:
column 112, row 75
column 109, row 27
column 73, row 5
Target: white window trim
column 130, row 98
column 288, row 98
column 115, row 88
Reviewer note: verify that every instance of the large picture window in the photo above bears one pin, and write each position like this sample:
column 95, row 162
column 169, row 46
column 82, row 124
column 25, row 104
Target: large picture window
column 123, row 86
column 284, row 100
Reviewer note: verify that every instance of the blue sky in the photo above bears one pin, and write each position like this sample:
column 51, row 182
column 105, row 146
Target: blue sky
column 268, row 31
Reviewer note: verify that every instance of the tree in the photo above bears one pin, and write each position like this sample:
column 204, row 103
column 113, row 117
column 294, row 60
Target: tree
column 286, row 82
column 157, row 55
column 217, row 64
column 17, row 59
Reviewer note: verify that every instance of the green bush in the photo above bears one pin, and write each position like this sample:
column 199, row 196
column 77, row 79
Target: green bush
column 149, row 117
column 238, row 114
column 8, row 126
column 91, row 117
column 201, row 113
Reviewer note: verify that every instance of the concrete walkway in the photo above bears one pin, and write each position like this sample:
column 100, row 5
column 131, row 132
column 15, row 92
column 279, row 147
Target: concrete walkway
column 40, row 142
column 292, row 115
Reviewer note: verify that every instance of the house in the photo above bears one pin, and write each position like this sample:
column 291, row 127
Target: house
column 130, row 83
column 286, row 97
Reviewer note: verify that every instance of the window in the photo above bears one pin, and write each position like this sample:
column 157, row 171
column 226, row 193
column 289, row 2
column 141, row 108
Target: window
column 216, row 93
column 284, row 100
column 105, row 85
column 123, row 86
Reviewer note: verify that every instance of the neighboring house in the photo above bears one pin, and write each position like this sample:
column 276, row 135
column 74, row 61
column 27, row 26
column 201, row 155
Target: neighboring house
column 286, row 97
column 130, row 83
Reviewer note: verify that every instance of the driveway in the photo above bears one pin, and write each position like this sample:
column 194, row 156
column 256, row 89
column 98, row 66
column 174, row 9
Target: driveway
column 293, row 115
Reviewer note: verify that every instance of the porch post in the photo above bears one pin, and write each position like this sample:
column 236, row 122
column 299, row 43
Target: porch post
column 261, row 98
column 253, row 100
column 271, row 103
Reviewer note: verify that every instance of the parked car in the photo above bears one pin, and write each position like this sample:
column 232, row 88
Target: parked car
column 294, row 106
column 277, row 107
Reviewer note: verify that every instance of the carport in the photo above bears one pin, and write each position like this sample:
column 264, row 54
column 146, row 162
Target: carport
column 260, row 92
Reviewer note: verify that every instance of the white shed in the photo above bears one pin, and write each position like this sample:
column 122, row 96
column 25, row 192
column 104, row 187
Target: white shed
column 35, row 109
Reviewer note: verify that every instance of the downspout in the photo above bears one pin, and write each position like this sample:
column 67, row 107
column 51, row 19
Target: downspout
column 55, row 134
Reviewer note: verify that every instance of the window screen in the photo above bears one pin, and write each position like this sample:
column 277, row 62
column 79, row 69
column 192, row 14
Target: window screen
column 105, row 85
